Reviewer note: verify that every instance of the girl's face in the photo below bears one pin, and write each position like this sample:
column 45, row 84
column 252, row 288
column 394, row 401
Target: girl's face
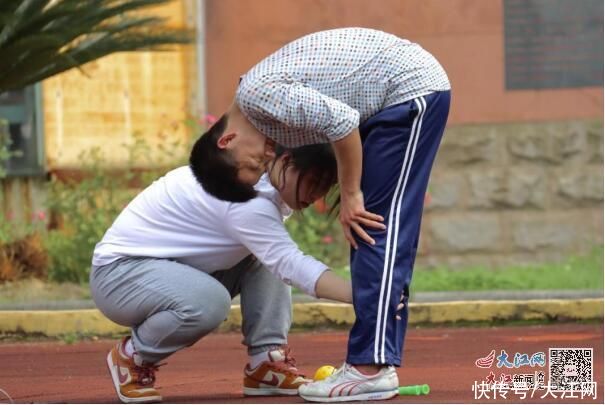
column 308, row 192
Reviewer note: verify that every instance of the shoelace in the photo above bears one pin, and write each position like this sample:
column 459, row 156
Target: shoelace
column 288, row 365
column 146, row 373
column 289, row 358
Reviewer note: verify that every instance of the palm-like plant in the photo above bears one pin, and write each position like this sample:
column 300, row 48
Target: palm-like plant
column 41, row 38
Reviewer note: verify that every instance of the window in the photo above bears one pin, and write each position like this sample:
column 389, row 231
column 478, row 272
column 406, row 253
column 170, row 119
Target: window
column 21, row 108
column 553, row 44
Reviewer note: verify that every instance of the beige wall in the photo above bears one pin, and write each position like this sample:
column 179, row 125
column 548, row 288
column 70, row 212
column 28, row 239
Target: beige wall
column 465, row 35
column 121, row 95
column 149, row 93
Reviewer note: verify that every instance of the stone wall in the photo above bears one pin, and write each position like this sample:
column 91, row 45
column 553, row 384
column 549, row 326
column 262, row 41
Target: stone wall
column 514, row 193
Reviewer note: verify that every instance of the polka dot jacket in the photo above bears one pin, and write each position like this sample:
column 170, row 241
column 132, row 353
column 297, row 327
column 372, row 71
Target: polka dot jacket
column 320, row 87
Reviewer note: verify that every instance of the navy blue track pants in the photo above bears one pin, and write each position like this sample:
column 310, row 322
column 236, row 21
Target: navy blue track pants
column 399, row 147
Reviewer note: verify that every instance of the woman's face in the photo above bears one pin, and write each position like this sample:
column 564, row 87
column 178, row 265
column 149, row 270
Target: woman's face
column 308, row 192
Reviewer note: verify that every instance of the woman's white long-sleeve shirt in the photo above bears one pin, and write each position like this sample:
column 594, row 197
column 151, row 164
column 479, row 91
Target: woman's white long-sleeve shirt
column 174, row 218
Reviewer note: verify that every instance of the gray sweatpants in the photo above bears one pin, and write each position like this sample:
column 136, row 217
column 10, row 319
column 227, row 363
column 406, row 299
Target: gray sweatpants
column 170, row 305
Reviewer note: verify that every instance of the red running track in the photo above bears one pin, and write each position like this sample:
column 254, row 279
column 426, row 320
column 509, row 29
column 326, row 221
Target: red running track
column 211, row 371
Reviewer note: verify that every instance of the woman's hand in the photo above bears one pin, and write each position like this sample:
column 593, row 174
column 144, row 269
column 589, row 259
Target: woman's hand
column 400, row 306
column 353, row 216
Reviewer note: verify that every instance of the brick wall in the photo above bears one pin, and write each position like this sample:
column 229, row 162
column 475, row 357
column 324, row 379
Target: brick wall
column 466, row 36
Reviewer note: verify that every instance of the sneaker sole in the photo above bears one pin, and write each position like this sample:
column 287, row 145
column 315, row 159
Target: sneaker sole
column 370, row 396
column 116, row 385
column 266, row 392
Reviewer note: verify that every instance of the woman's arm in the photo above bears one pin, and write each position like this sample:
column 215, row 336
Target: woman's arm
column 353, row 214
column 333, row 287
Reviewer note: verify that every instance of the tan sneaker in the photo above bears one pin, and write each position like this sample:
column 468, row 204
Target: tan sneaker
column 133, row 382
column 276, row 377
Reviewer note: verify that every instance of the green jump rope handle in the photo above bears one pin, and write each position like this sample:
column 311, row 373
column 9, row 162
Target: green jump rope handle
column 423, row 389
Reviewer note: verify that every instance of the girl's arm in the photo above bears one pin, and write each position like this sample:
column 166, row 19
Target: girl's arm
column 258, row 225
column 333, row 287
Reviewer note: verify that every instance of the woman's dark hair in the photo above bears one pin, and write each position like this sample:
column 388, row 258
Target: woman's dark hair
column 215, row 169
column 317, row 161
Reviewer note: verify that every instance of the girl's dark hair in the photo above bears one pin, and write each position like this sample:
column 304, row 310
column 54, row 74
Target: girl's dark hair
column 317, row 161
column 215, row 169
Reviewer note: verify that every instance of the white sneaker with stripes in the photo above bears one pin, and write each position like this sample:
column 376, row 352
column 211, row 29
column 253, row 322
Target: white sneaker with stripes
column 348, row 384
